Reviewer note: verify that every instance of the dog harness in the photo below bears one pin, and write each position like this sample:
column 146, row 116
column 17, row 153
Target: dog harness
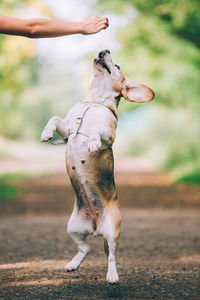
column 79, row 119
column 86, row 106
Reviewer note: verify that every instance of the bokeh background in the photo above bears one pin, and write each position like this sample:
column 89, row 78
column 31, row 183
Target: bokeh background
column 155, row 42
column 156, row 150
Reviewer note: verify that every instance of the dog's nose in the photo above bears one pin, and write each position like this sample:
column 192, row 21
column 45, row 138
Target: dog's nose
column 102, row 53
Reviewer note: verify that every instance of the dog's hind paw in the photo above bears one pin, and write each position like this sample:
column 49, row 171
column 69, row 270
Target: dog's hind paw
column 112, row 277
column 46, row 135
column 70, row 267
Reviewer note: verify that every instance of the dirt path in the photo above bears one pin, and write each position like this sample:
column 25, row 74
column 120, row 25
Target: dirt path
column 158, row 255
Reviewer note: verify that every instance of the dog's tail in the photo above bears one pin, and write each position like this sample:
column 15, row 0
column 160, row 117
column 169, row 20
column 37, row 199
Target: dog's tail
column 61, row 141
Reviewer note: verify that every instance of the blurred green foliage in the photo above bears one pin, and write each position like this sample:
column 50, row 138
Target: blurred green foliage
column 189, row 178
column 182, row 16
column 7, row 189
column 11, row 177
column 17, row 70
column 161, row 48
column 8, row 192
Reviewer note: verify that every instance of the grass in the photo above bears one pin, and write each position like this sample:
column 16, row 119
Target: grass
column 190, row 178
column 10, row 177
column 7, row 190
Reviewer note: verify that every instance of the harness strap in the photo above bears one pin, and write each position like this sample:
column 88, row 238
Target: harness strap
column 79, row 120
column 110, row 107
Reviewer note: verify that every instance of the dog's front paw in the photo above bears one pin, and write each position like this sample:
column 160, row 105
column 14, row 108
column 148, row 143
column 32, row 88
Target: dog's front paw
column 46, row 135
column 112, row 277
column 94, row 144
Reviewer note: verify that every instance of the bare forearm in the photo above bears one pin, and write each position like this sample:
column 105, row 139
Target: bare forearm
column 45, row 28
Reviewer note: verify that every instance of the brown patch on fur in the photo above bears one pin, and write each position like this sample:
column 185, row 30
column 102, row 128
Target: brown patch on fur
column 113, row 111
column 101, row 173
column 89, row 200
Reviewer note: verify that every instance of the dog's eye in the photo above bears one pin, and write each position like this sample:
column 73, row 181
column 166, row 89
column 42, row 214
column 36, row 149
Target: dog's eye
column 118, row 67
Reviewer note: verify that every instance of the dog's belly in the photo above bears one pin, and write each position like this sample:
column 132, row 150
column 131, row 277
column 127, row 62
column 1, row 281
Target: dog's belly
column 91, row 175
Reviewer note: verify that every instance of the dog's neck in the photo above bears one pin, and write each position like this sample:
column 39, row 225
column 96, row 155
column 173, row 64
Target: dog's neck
column 101, row 93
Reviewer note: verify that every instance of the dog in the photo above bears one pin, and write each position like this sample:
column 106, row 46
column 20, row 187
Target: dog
column 89, row 130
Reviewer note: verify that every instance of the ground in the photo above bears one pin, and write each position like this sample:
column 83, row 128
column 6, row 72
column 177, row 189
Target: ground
column 159, row 249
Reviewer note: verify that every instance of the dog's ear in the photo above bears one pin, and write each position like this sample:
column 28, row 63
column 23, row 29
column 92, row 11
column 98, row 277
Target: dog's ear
column 136, row 92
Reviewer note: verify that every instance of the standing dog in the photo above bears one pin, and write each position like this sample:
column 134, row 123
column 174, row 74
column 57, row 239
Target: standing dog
column 89, row 130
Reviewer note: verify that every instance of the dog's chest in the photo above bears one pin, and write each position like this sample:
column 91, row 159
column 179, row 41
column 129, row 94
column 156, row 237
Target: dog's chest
column 87, row 118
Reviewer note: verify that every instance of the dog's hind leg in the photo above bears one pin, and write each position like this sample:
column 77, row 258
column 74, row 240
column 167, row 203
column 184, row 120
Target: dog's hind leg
column 78, row 230
column 55, row 124
column 110, row 246
column 83, row 250
column 111, row 231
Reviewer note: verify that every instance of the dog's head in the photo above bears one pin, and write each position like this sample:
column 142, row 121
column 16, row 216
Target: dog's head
column 131, row 90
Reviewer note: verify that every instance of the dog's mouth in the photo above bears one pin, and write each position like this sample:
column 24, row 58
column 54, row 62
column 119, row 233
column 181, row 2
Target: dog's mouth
column 104, row 65
column 101, row 61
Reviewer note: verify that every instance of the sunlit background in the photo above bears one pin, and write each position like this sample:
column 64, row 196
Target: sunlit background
column 155, row 42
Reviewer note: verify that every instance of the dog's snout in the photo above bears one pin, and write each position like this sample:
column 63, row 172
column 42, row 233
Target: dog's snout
column 102, row 53
column 107, row 51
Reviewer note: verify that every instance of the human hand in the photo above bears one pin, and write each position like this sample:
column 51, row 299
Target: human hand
column 94, row 24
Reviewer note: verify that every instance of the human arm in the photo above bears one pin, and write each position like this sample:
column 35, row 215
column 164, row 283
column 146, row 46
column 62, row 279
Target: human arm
column 46, row 28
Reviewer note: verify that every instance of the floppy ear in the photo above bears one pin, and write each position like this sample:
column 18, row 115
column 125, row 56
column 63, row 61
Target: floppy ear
column 136, row 92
